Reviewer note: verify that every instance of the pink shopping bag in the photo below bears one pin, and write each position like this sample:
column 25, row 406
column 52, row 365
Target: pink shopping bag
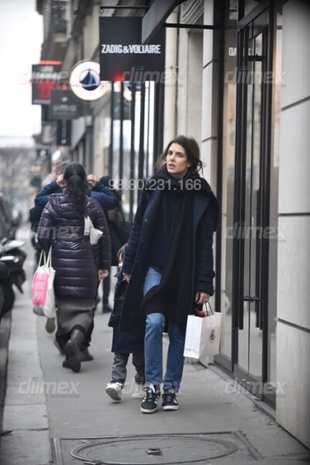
column 43, row 297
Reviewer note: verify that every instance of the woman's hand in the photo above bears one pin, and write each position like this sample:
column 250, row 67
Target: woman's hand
column 127, row 277
column 202, row 298
column 102, row 274
column 92, row 180
column 60, row 181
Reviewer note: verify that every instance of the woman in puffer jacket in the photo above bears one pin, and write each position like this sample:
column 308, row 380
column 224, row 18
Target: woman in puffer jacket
column 77, row 272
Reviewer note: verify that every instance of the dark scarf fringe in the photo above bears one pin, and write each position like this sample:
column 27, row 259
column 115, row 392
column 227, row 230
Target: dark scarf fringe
column 173, row 296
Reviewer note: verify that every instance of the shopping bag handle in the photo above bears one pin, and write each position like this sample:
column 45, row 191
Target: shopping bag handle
column 209, row 309
column 202, row 311
column 47, row 260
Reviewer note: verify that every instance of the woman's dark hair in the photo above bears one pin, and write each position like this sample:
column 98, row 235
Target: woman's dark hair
column 77, row 185
column 107, row 181
column 121, row 252
column 191, row 148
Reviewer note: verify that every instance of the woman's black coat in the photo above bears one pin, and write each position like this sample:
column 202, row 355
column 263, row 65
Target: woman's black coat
column 205, row 218
column 73, row 257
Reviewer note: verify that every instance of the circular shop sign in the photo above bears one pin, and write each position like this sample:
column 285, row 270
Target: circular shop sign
column 85, row 81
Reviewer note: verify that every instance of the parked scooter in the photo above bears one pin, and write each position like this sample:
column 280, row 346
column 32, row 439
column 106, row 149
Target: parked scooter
column 4, row 274
column 12, row 255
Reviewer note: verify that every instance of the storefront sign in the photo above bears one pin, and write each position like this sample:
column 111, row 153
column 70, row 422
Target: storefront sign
column 64, row 106
column 63, row 132
column 123, row 57
column 85, row 81
column 45, row 78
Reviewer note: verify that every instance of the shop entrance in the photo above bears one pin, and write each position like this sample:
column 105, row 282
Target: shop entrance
column 252, row 230
column 250, row 234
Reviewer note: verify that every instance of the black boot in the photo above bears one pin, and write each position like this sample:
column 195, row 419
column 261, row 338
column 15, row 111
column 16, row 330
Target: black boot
column 72, row 350
column 86, row 356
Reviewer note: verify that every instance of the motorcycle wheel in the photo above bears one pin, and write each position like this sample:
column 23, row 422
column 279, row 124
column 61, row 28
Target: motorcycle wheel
column 9, row 299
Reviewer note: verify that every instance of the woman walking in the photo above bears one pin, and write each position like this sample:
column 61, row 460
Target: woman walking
column 169, row 264
column 78, row 267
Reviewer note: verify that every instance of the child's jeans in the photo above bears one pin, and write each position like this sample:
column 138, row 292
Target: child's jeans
column 119, row 367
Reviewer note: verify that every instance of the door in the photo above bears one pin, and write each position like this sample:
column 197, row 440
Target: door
column 251, row 204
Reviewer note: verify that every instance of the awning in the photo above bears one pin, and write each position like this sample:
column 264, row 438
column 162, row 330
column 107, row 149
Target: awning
column 155, row 17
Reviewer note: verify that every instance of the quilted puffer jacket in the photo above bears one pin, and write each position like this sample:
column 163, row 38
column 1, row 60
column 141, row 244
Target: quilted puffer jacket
column 73, row 257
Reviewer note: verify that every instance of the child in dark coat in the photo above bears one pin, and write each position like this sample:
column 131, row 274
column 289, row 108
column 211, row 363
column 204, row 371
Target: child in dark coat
column 124, row 344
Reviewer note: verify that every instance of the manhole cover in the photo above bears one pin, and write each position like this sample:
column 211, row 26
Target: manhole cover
column 153, row 450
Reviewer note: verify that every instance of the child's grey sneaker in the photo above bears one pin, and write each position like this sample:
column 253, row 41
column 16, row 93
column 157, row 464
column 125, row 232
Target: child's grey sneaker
column 170, row 401
column 151, row 398
column 138, row 391
column 114, row 390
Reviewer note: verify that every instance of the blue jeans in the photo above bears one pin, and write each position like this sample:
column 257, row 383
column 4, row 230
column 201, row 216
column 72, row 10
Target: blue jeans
column 153, row 344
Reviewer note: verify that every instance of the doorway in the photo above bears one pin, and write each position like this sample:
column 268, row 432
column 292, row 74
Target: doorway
column 249, row 238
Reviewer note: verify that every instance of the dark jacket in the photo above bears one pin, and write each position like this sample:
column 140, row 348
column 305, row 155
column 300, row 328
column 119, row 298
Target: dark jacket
column 205, row 213
column 72, row 254
column 105, row 196
column 123, row 342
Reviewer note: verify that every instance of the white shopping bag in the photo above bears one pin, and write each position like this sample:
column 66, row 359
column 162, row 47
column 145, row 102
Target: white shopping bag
column 203, row 336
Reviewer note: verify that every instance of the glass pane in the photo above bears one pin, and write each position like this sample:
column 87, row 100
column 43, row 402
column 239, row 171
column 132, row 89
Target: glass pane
column 233, row 9
column 250, row 341
column 229, row 121
column 255, row 356
column 279, row 235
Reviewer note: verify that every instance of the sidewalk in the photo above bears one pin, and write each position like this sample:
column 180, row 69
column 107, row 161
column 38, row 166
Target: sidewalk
column 54, row 416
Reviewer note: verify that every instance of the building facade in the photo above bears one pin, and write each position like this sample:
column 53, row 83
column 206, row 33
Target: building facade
column 236, row 79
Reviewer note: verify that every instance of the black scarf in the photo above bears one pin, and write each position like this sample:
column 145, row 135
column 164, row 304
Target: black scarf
column 174, row 295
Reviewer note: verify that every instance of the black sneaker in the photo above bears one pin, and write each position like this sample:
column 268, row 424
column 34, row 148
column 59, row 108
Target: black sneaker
column 151, row 398
column 170, row 401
